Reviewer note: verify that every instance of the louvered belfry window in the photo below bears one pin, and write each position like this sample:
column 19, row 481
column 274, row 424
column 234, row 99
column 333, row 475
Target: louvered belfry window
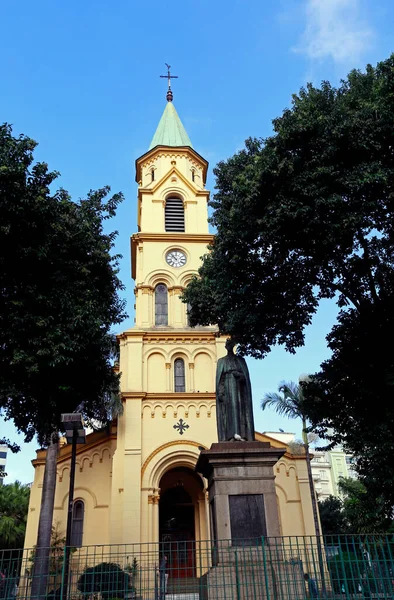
column 174, row 215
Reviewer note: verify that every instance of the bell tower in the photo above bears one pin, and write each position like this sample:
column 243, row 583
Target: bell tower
column 172, row 223
column 167, row 367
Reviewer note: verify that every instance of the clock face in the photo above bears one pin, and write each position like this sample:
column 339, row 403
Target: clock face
column 176, row 258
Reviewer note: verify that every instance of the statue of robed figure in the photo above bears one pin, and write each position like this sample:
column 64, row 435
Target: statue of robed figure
column 234, row 407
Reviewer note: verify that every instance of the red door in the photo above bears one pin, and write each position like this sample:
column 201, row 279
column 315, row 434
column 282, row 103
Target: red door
column 179, row 547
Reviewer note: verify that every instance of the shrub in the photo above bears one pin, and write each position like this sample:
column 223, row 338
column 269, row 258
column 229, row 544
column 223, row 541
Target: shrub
column 107, row 578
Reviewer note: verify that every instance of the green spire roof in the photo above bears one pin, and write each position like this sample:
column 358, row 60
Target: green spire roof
column 170, row 131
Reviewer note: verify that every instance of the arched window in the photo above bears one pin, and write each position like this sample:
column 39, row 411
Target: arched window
column 161, row 305
column 77, row 524
column 179, row 375
column 193, row 175
column 174, row 215
column 188, row 308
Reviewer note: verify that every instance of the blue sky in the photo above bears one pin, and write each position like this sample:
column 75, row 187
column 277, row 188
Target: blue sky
column 82, row 79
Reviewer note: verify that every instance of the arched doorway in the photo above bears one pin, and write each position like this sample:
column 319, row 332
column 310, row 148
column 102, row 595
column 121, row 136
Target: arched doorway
column 180, row 490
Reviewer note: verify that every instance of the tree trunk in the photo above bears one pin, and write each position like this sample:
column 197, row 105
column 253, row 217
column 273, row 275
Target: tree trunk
column 314, row 507
column 312, row 490
column 43, row 548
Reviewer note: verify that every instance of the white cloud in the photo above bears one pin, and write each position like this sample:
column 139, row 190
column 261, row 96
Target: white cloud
column 335, row 29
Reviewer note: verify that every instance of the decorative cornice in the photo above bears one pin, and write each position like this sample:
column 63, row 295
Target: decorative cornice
column 171, row 406
column 159, row 151
column 65, row 451
column 168, row 396
column 171, row 336
column 173, row 175
column 133, row 395
column 173, row 237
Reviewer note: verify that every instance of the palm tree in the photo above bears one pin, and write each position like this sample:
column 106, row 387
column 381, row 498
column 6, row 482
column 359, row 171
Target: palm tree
column 112, row 408
column 42, row 553
column 14, row 504
column 289, row 401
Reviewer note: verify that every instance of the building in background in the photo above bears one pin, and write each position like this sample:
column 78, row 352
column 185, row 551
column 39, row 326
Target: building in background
column 3, row 462
column 328, row 467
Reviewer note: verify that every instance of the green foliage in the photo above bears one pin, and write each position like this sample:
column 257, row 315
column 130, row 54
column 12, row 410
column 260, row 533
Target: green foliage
column 107, row 578
column 14, row 504
column 332, row 518
column 348, row 401
column 363, row 511
column 59, row 296
column 304, row 215
column 56, row 553
column 132, row 569
column 357, row 511
column 342, row 570
column 289, row 402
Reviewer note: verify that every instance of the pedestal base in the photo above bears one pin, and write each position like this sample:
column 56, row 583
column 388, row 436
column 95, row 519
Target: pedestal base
column 244, row 515
column 241, row 486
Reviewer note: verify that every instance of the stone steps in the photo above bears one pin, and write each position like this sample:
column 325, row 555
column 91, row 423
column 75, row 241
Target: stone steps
column 182, row 596
column 189, row 586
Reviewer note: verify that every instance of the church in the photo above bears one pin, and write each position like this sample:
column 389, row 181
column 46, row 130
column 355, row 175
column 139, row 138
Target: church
column 136, row 482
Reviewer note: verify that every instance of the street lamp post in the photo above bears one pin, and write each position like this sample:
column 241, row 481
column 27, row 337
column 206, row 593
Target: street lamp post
column 75, row 434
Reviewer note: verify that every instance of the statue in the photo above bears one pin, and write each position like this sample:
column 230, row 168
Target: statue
column 233, row 398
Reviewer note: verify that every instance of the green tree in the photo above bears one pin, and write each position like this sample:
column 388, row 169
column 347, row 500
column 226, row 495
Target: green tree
column 347, row 401
column 59, row 300
column 14, row 504
column 356, row 512
column 304, row 215
column 332, row 517
column 289, row 402
column 363, row 512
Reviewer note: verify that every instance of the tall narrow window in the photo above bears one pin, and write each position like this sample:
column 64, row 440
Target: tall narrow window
column 152, row 174
column 188, row 309
column 193, row 175
column 179, row 375
column 77, row 524
column 161, row 305
column 174, row 215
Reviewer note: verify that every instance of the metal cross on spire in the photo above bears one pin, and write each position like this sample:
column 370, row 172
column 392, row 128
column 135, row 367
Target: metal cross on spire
column 169, row 77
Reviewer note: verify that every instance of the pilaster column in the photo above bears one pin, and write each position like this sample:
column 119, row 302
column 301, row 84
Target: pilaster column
column 168, row 377
column 191, row 376
column 155, row 524
column 150, row 518
column 140, row 264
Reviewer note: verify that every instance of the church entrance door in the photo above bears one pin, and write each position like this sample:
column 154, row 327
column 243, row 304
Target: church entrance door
column 177, row 523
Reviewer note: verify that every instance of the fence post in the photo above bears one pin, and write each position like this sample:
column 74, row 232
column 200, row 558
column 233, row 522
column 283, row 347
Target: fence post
column 62, row 586
column 344, row 574
column 237, row 577
column 266, row 579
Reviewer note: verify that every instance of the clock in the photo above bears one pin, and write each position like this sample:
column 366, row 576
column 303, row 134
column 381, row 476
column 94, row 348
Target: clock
column 176, row 258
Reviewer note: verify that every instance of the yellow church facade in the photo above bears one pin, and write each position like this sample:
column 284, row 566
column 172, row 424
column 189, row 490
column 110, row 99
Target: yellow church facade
column 135, row 482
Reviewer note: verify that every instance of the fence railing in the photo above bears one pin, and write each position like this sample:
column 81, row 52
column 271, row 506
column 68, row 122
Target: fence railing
column 285, row 568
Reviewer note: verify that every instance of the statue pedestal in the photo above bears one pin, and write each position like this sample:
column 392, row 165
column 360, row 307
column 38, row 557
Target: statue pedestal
column 244, row 516
column 241, row 486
